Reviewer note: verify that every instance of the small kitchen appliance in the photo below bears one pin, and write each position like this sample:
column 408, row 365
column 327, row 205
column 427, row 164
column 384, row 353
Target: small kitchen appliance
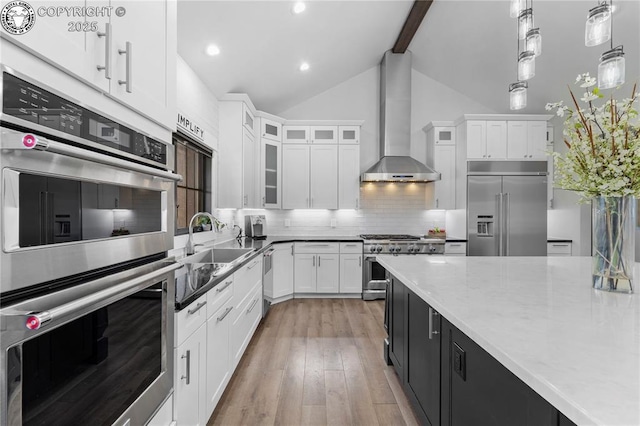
column 255, row 226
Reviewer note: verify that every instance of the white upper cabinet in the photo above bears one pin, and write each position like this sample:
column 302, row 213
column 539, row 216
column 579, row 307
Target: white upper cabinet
column 349, row 135
column 496, row 140
column 270, row 129
column 348, row 176
column 296, row 134
column 476, row 139
column 248, row 119
column 131, row 63
column 239, row 157
column 324, row 134
column 486, row 140
column 527, row 140
column 324, row 177
column 271, row 174
column 295, row 176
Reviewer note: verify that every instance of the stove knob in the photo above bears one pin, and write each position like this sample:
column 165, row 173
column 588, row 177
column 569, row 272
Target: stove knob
column 372, row 249
column 410, row 249
column 432, row 249
column 378, row 249
column 398, row 249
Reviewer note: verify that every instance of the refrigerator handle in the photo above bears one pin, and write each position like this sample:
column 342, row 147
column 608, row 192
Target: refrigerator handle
column 499, row 211
column 507, row 215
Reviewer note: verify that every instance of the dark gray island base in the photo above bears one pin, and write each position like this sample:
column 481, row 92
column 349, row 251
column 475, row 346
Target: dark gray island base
column 449, row 379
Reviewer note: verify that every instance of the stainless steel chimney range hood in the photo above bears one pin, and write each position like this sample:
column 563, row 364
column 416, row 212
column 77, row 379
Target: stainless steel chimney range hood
column 395, row 164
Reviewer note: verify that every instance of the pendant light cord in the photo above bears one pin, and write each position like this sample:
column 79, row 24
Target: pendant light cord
column 611, row 11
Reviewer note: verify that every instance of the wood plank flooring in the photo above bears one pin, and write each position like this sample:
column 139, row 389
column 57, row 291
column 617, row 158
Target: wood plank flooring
column 316, row 362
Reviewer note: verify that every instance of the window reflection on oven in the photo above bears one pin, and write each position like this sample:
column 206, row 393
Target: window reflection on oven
column 92, row 369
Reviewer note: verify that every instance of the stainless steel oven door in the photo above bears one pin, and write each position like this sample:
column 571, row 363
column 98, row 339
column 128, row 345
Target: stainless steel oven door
column 99, row 353
column 66, row 210
column 374, row 280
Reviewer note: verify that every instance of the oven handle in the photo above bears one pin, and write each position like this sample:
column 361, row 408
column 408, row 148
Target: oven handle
column 36, row 320
column 14, row 140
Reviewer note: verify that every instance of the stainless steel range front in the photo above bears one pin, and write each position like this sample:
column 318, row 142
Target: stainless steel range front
column 374, row 282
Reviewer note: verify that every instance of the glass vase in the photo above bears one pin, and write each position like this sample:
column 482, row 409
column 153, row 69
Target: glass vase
column 614, row 221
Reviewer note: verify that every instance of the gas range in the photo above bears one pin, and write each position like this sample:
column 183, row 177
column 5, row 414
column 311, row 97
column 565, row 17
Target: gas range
column 401, row 244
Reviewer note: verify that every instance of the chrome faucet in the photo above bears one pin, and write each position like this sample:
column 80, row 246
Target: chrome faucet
column 190, row 245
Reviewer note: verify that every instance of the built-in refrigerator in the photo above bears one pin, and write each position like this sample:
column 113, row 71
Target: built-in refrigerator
column 507, row 208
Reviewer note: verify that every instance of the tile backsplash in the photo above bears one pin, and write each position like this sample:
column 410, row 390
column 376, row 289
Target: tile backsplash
column 389, row 208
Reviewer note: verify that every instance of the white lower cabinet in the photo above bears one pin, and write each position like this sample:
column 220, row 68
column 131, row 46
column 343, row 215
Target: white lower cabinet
column 351, row 273
column 559, row 249
column 212, row 334
column 189, row 379
column 245, row 322
column 455, row 248
column 328, row 273
column 282, row 267
column 304, row 274
column 219, row 367
column 316, row 268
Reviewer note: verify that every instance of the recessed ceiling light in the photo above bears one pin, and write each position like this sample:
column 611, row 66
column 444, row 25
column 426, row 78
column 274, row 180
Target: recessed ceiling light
column 299, row 7
column 304, row 66
column 213, row 50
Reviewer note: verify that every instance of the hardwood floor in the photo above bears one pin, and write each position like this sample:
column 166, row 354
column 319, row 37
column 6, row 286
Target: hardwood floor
column 316, row 362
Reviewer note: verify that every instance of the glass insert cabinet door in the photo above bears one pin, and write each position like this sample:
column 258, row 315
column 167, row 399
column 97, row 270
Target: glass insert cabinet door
column 271, row 174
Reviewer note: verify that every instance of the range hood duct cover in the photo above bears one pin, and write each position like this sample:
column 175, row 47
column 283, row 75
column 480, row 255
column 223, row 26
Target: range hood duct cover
column 395, row 164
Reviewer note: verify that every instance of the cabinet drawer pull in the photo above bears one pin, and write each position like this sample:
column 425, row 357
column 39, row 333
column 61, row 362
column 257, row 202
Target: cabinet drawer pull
column 455, row 245
column 252, row 265
column 560, row 245
column 225, row 313
column 223, row 286
column 129, row 65
column 197, row 308
column 107, row 51
column 188, row 376
column 253, row 305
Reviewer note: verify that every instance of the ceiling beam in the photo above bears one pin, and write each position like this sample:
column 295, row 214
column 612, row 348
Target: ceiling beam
column 417, row 14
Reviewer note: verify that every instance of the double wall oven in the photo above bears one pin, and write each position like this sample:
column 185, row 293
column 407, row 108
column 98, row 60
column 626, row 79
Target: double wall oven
column 86, row 290
column 374, row 281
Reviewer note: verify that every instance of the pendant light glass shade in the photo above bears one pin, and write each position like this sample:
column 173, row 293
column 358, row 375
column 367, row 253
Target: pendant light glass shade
column 526, row 65
column 517, row 6
column 611, row 69
column 534, row 41
column 518, row 95
column 598, row 28
column 525, row 23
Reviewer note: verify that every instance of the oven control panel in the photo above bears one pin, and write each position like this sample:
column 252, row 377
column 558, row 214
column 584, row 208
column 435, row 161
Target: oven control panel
column 30, row 106
column 396, row 248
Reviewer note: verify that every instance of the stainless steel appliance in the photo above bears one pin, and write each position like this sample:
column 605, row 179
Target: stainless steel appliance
column 267, row 280
column 507, row 208
column 72, row 199
column 86, row 291
column 374, row 282
column 99, row 353
column 255, row 226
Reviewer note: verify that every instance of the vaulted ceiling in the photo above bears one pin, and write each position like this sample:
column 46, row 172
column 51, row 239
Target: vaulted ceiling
column 469, row 46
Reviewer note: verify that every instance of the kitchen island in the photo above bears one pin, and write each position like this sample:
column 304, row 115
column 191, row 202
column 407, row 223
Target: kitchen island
column 576, row 347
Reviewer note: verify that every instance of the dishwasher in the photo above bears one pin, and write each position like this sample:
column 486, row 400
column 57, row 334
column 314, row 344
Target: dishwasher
column 267, row 280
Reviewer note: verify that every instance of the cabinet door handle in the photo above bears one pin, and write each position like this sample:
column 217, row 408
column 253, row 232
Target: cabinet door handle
column 360, row 261
column 223, row 287
column 263, row 201
column 129, row 56
column 107, row 51
column 357, row 204
column 437, row 202
column 253, row 304
column 224, row 314
column 188, row 376
column 291, row 249
column 314, row 261
column 432, row 314
column 197, row 308
column 319, row 257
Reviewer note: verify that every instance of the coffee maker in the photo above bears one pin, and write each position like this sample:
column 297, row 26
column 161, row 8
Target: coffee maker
column 255, row 226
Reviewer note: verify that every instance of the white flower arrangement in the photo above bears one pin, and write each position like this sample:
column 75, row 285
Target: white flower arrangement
column 604, row 144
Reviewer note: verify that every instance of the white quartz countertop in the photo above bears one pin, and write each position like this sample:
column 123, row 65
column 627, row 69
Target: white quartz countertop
column 577, row 347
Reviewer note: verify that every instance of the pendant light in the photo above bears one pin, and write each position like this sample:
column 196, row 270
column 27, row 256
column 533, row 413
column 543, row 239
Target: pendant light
column 518, row 95
column 517, row 6
column 598, row 27
column 611, row 69
column 533, row 41
column 525, row 23
column 526, row 65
